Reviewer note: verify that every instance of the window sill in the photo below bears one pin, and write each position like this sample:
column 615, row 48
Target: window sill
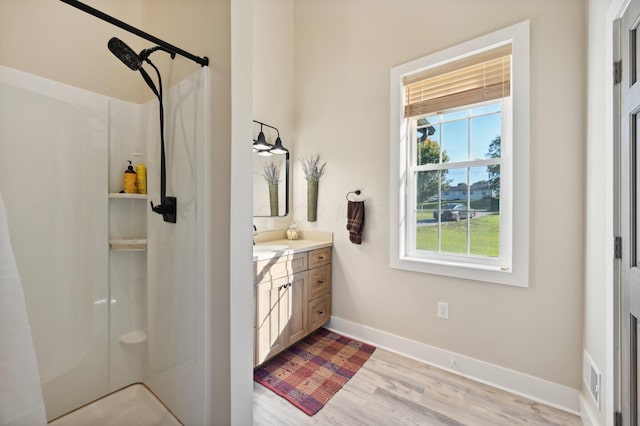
column 470, row 271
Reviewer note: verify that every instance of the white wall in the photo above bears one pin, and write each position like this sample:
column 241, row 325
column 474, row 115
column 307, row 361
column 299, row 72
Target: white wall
column 127, row 270
column 273, row 82
column 343, row 53
column 599, row 293
column 204, row 28
column 53, row 179
column 54, row 40
column 241, row 342
column 597, row 242
column 177, row 308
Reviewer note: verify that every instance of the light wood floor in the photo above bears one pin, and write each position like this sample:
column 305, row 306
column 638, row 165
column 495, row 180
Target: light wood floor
column 393, row 390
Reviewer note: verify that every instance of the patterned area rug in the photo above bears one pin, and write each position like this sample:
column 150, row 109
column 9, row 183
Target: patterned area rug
column 310, row 372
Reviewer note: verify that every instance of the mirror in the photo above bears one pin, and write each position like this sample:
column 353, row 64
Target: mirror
column 263, row 192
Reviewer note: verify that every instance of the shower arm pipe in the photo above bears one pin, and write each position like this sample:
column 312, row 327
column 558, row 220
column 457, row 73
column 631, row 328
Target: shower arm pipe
column 163, row 157
column 118, row 23
column 168, row 205
column 266, row 125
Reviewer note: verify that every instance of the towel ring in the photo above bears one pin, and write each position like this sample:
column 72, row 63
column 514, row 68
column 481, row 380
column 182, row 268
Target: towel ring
column 357, row 192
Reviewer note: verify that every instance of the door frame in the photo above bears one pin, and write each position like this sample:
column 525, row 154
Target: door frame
column 612, row 387
column 616, row 328
column 616, row 229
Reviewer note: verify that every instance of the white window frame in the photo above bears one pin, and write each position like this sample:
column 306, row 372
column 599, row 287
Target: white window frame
column 504, row 161
column 514, row 267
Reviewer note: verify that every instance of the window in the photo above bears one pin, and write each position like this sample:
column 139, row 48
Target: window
column 459, row 160
column 456, row 163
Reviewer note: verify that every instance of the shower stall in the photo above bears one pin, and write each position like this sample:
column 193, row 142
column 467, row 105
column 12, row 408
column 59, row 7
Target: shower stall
column 115, row 295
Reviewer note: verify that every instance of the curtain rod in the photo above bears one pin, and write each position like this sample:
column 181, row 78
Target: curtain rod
column 118, row 23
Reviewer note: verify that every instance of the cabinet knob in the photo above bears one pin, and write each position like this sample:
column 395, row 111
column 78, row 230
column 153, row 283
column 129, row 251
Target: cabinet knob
column 321, row 312
column 321, row 257
column 320, row 282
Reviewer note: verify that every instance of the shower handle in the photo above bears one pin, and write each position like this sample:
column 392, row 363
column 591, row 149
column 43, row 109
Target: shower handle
column 168, row 209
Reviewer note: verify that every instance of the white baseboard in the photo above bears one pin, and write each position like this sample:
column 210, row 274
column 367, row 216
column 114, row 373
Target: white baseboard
column 586, row 412
column 553, row 394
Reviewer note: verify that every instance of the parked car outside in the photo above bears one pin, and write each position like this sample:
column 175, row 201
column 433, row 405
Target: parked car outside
column 453, row 211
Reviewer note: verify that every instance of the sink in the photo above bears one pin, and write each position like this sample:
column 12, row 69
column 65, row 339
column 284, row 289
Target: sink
column 270, row 247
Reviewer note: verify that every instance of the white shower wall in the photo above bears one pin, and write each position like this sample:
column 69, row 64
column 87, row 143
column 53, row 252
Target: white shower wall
column 62, row 150
column 177, row 257
column 53, row 168
column 127, row 269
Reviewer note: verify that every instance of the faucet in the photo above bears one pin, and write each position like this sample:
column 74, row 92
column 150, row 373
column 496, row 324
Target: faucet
column 255, row 232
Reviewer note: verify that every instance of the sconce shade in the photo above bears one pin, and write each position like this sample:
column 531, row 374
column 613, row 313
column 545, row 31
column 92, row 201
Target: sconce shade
column 264, row 148
column 261, row 143
column 265, row 153
column 278, row 148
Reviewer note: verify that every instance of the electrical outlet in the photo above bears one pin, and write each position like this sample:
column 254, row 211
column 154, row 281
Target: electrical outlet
column 443, row 310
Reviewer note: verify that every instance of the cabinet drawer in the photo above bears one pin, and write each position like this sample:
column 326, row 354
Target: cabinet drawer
column 319, row 281
column 319, row 257
column 279, row 267
column 319, row 312
column 298, row 263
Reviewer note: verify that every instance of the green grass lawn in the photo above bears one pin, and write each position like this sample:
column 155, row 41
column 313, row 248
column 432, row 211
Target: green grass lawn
column 484, row 236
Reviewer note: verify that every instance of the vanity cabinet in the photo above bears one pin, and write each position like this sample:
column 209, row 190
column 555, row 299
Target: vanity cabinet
column 319, row 288
column 292, row 298
column 281, row 315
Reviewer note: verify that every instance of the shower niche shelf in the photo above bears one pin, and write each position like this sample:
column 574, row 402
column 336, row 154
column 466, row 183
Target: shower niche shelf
column 134, row 337
column 123, row 217
column 126, row 196
column 128, row 244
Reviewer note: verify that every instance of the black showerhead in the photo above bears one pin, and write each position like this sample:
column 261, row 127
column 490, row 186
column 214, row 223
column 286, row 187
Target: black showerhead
column 131, row 59
column 125, row 53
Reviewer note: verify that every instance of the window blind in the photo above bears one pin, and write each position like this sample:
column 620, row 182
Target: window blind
column 477, row 78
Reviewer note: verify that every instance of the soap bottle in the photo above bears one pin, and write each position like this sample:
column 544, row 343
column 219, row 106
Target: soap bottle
column 292, row 232
column 130, row 180
column 141, row 178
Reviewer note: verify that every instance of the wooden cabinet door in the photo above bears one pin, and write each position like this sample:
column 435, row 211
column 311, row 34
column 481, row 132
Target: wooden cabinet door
column 319, row 312
column 319, row 281
column 297, row 307
column 319, row 257
column 271, row 318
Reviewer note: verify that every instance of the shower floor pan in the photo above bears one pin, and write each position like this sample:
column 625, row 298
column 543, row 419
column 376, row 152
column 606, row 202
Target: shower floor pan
column 134, row 405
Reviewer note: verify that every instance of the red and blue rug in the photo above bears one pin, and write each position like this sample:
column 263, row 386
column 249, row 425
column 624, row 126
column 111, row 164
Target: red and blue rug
column 310, row 372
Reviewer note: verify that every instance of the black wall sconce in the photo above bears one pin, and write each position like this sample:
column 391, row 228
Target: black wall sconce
column 264, row 148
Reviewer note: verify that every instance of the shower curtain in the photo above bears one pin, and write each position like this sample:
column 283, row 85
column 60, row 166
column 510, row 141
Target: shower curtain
column 21, row 400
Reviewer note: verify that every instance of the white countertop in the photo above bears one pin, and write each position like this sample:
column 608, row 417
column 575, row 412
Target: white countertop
column 274, row 248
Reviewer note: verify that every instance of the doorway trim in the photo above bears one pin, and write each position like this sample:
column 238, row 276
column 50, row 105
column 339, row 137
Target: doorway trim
column 612, row 402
